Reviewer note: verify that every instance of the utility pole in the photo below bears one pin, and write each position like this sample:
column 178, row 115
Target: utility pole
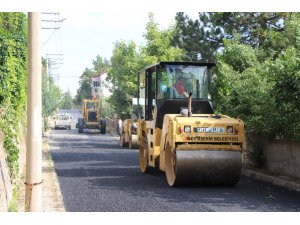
column 51, row 21
column 33, row 191
column 55, row 23
column 53, row 63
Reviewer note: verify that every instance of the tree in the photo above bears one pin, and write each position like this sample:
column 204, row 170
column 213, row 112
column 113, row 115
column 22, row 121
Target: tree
column 66, row 101
column 286, row 93
column 188, row 36
column 100, row 65
column 242, row 87
column 261, row 86
column 85, row 86
column 123, row 72
column 202, row 38
column 51, row 94
column 158, row 44
column 127, row 61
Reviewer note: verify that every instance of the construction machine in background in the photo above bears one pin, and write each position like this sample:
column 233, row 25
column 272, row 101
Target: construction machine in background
column 128, row 137
column 182, row 136
column 91, row 116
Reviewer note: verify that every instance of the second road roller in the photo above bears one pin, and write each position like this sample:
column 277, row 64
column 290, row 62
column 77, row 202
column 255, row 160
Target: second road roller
column 178, row 130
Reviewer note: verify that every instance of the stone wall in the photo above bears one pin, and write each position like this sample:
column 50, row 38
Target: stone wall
column 6, row 186
column 279, row 157
column 283, row 157
column 5, row 183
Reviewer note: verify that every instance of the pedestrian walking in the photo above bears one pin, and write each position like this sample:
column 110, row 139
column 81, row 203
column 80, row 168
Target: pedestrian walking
column 119, row 125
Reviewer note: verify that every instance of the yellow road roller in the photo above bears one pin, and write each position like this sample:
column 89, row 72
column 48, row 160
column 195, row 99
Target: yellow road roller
column 178, row 131
column 128, row 137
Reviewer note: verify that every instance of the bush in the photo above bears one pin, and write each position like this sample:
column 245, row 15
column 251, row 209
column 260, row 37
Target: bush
column 13, row 78
column 265, row 94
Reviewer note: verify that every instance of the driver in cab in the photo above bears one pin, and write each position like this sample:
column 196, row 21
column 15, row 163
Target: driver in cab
column 179, row 86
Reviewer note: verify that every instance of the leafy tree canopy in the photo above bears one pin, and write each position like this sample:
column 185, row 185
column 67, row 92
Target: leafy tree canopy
column 262, row 85
column 127, row 60
column 203, row 37
column 158, row 44
column 66, row 101
column 122, row 74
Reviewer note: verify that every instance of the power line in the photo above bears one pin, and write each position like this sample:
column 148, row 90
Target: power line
column 56, row 26
column 57, row 75
column 51, row 21
column 49, row 38
column 47, row 13
column 55, row 23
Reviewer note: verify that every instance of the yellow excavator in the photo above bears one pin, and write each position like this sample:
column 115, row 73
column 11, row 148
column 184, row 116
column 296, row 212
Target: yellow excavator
column 178, row 131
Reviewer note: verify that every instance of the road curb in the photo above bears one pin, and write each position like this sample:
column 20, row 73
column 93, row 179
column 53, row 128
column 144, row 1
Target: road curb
column 283, row 182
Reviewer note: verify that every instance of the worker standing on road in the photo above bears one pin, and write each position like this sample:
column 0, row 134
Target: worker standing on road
column 103, row 125
column 119, row 125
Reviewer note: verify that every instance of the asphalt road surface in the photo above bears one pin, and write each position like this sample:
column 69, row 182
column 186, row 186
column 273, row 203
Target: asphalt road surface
column 95, row 174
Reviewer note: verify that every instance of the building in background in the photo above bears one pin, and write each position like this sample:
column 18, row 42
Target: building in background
column 100, row 86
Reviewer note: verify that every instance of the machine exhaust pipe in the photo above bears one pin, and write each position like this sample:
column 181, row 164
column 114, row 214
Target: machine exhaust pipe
column 190, row 105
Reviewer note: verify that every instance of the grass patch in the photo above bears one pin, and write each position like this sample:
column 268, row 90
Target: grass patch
column 13, row 205
column 46, row 152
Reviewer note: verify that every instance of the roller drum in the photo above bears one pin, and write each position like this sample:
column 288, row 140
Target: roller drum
column 133, row 142
column 205, row 167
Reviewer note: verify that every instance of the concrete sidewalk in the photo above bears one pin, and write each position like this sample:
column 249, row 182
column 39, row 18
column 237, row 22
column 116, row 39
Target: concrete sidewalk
column 282, row 181
column 52, row 200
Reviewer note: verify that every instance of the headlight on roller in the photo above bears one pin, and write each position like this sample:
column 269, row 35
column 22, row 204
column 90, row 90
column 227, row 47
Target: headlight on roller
column 229, row 129
column 187, row 129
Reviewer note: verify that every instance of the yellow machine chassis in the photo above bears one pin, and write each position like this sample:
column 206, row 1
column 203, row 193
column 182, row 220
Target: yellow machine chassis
column 127, row 139
column 192, row 157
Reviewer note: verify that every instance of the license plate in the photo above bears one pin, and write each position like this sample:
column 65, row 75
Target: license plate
column 209, row 129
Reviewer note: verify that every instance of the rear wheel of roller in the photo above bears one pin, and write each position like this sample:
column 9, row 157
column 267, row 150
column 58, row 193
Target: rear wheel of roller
column 170, row 165
column 133, row 142
column 123, row 143
column 143, row 158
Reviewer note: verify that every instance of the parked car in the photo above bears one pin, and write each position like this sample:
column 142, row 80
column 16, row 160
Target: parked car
column 62, row 121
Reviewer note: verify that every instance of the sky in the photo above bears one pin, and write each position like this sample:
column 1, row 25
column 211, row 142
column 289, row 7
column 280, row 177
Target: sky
column 83, row 36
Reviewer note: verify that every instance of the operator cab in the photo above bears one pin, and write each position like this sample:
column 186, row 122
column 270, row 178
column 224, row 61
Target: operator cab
column 164, row 87
column 91, row 107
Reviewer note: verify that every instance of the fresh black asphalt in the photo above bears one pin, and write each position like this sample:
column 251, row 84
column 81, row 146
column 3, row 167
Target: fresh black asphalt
column 97, row 175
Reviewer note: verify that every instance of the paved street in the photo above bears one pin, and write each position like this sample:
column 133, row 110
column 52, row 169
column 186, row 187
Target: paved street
column 95, row 174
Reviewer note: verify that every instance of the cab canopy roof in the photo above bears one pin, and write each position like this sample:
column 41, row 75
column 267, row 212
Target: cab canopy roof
column 184, row 63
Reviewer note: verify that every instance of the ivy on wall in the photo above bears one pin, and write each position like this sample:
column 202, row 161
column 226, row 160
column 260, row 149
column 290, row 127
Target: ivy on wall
column 13, row 78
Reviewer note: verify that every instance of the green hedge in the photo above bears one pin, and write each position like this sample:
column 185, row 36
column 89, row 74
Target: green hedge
column 13, row 78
